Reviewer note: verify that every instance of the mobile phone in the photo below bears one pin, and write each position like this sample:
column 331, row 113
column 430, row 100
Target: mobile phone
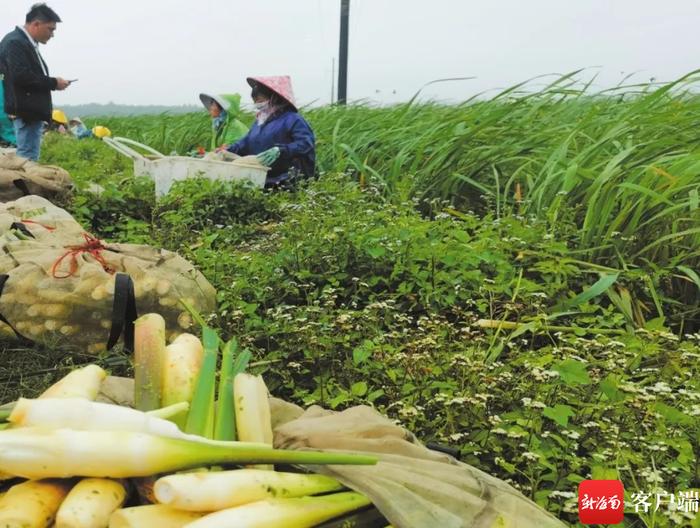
column 71, row 81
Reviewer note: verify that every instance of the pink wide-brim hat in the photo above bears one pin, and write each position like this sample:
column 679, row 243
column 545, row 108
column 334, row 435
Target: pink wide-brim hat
column 280, row 84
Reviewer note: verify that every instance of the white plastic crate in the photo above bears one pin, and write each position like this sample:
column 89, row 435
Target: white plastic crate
column 165, row 170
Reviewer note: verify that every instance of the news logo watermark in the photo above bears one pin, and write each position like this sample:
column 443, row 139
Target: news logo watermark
column 682, row 501
column 603, row 502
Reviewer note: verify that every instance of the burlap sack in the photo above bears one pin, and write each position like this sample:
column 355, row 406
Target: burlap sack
column 38, row 218
column 11, row 161
column 60, row 282
column 20, row 177
column 65, row 294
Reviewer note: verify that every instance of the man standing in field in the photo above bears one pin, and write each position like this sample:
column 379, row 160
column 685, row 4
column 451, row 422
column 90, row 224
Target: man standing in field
column 26, row 78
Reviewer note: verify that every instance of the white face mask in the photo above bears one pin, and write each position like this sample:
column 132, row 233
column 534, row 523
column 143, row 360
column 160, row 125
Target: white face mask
column 260, row 107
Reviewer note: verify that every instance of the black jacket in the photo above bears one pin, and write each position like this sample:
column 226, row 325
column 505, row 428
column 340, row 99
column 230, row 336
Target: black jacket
column 27, row 88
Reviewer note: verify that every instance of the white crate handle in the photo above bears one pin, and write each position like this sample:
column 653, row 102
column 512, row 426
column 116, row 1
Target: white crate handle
column 121, row 145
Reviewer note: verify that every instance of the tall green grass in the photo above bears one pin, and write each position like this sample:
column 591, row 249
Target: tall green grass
column 622, row 165
column 627, row 160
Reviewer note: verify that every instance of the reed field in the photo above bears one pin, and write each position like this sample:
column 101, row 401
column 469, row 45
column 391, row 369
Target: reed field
column 516, row 277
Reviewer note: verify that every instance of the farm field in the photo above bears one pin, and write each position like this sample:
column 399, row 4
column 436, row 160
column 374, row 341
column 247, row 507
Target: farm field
column 516, row 277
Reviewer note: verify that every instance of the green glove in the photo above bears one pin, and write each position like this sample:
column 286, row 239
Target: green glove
column 269, row 156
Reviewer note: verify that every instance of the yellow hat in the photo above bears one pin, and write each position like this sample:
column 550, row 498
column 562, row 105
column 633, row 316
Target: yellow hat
column 101, row 131
column 59, row 116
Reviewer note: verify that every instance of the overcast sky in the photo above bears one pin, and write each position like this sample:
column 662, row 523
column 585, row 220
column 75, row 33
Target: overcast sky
column 167, row 51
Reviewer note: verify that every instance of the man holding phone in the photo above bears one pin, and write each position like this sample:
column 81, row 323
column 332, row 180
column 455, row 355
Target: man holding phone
column 26, row 81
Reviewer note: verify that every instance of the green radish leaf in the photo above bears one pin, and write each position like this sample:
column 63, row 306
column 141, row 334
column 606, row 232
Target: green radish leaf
column 201, row 414
column 224, row 422
column 210, row 338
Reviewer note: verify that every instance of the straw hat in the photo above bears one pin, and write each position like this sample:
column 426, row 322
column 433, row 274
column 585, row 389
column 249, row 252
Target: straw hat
column 207, row 100
column 280, row 84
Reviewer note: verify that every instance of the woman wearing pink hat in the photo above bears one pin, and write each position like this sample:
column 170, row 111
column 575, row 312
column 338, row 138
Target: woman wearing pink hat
column 280, row 137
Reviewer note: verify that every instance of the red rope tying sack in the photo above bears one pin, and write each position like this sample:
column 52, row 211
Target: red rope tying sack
column 93, row 246
column 39, row 224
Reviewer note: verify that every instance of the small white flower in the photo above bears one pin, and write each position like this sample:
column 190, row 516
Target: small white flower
column 528, row 402
column 343, row 318
column 674, row 516
column 661, row 387
column 408, row 411
column 571, row 434
column 563, row 494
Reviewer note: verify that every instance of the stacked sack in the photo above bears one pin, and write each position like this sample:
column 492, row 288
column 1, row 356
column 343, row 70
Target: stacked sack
column 60, row 283
column 20, row 177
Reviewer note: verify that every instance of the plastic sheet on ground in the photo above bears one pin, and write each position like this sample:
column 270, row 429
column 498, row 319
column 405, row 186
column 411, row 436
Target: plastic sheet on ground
column 411, row 485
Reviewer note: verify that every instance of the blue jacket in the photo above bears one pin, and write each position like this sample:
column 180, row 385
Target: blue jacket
column 295, row 139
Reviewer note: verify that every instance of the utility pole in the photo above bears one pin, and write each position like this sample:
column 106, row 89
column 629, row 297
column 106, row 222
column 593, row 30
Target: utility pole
column 343, row 52
column 332, row 80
